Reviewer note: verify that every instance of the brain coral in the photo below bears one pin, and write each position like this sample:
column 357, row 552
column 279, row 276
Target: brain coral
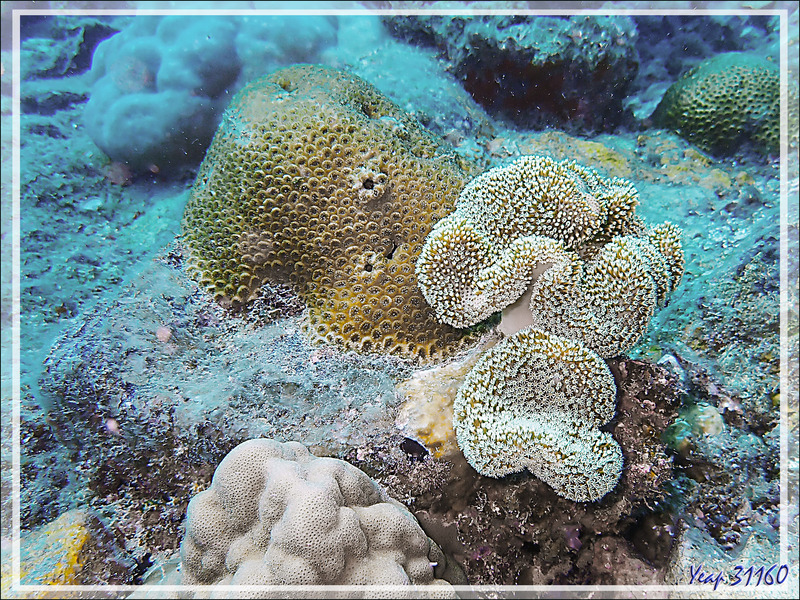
column 316, row 180
column 562, row 246
column 276, row 515
column 724, row 101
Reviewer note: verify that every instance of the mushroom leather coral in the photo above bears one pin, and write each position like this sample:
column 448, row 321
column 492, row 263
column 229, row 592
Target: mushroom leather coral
column 537, row 401
column 566, row 243
column 509, row 225
column 605, row 302
column 316, row 180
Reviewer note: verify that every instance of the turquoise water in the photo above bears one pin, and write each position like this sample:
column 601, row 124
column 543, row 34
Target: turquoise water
column 134, row 383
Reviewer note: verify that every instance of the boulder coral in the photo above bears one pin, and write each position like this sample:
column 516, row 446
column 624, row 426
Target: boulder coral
column 580, row 275
column 277, row 515
column 725, row 101
column 160, row 86
column 316, row 180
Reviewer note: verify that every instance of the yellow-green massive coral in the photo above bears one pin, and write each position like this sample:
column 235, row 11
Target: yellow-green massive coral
column 725, row 101
column 316, row 180
column 567, row 245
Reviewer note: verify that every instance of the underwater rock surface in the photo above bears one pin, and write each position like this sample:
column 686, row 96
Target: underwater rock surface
column 141, row 380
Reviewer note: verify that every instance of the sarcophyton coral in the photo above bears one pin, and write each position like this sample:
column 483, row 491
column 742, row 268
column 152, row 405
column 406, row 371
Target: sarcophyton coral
column 562, row 250
column 607, row 301
column 537, row 401
column 512, row 223
column 316, row 180
column 277, row 515
column 724, row 101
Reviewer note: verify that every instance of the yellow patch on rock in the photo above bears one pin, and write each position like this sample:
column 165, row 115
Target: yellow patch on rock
column 50, row 555
column 427, row 412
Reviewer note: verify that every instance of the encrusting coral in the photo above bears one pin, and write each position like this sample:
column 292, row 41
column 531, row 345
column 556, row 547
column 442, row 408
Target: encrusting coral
column 277, row 515
column 567, row 244
column 316, row 180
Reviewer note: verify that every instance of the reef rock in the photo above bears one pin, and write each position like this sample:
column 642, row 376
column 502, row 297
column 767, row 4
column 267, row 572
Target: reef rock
column 536, row 71
column 518, row 530
column 148, row 390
